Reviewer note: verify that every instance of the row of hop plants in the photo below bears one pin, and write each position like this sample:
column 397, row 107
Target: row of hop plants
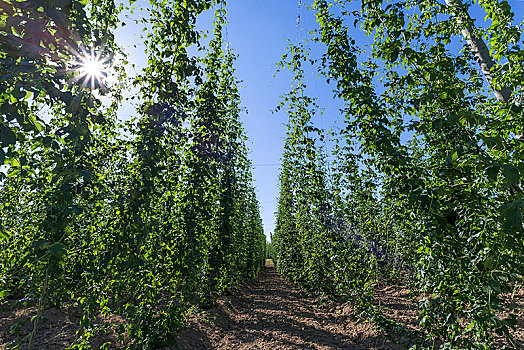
column 425, row 183
column 144, row 219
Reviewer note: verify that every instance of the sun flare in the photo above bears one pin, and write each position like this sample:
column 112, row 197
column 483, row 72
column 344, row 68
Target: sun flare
column 92, row 69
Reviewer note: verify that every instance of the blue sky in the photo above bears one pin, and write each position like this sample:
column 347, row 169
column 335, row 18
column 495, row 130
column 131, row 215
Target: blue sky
column 259, row 32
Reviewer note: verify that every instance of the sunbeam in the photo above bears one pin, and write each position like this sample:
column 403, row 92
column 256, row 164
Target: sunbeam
column 92, row 69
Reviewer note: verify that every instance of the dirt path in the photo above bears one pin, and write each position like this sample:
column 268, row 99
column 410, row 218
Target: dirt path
column 267, row 313
column 270, row 314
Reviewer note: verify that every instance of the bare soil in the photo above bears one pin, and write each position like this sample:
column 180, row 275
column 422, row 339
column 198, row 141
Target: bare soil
column 270, row 313
column 56, row 329
column 397, row 304
column 266, row 313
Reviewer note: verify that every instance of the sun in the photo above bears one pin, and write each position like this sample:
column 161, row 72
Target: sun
column 92, row 69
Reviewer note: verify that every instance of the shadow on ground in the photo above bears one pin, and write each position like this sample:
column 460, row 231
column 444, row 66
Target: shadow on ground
column 270, row 314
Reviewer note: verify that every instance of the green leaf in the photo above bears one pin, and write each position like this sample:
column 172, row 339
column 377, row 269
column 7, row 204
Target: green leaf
column 3, row 234
column 13, row 173
column 437, row 124
column 492, row 172
column 19, row 94
column 39, row 126
column 394, row 54
column 511, row 173
column 512, row 214
column 40, row 244
column 8, row 136
column 46, row 141
column 57, row 250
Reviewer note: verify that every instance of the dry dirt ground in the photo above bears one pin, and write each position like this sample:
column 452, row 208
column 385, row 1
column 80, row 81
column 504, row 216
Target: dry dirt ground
column 270, row 314
column 56, row 330
column 267, row 313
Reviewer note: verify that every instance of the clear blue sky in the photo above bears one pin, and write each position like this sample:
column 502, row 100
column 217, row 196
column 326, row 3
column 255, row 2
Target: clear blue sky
column 259, row 31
